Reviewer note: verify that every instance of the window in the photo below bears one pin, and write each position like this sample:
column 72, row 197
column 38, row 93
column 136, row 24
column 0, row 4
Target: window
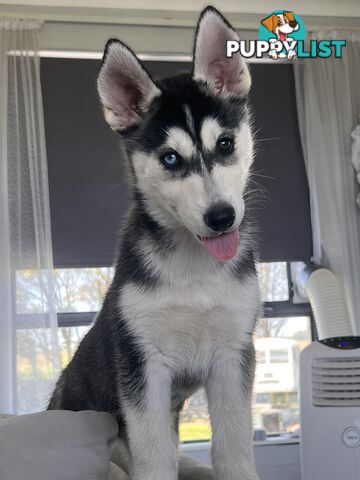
column 76, row 289
column 278, row 341
column 277, row 379
column 260, row 356
column 78, row 295
column 87, row 174
column 279, row 356
column 262, row 398
column 274, row 285
column 99, row 197
column 194, row 419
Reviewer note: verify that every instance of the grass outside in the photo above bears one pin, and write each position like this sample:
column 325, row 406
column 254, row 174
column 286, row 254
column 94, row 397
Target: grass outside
column 195, row 431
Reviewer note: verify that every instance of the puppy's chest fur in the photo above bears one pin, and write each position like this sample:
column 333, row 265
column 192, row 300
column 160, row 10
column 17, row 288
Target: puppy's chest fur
column 190, row 322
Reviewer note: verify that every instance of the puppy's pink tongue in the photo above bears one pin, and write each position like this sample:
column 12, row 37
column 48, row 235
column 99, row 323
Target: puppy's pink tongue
column 224, row 246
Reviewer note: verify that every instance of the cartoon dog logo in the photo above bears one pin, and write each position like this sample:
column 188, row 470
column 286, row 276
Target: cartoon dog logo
column 281, row 25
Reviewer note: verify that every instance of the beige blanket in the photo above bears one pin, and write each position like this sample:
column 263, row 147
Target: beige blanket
column 189, row 469
column 64, row 445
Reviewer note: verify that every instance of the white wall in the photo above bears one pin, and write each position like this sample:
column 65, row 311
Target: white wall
column 160, row 26
column 302, row 7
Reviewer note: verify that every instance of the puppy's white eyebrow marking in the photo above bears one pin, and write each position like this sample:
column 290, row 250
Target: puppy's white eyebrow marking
column 180, row 141
column 210, row 132
column 190, row 120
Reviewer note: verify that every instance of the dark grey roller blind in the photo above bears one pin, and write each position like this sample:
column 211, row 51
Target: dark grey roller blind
column 87, row 178
column 284, row 219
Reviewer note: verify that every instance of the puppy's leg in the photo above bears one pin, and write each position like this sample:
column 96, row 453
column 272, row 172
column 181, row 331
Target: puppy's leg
column 150, row 430
column 229, row 391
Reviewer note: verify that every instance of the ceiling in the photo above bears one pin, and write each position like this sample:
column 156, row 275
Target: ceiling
column 327, row 8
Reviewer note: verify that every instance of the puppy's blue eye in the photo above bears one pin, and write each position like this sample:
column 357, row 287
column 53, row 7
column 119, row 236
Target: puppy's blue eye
column 170, row 159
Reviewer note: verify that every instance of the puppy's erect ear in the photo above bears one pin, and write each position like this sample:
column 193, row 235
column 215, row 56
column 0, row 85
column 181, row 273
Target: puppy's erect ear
column 270, row 22
column 125, row 88
column 223, row 76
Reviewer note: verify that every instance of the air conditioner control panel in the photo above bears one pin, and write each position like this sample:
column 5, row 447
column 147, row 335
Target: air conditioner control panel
column 343, row 343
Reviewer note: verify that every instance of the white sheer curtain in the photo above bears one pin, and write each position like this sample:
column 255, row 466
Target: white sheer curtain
column 355, row 155
column 29, row 354
column 328, row 100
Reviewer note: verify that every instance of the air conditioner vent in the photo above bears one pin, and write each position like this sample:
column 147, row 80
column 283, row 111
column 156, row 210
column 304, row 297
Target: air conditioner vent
column 336, row 382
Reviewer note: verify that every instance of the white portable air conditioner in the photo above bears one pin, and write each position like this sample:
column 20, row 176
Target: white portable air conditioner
column 330, row 387
column 330, row 413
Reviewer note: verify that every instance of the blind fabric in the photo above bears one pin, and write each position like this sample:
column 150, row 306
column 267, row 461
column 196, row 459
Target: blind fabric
column 87, row 180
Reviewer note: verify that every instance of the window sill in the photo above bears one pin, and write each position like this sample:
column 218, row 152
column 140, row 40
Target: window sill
column 275, row 459
column 270, row 441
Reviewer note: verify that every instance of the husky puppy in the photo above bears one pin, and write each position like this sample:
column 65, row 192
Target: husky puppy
column 182, row 306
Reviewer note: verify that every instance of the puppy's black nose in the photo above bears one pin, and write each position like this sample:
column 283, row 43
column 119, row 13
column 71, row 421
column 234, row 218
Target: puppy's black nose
column 293, row 23
column 220, row 217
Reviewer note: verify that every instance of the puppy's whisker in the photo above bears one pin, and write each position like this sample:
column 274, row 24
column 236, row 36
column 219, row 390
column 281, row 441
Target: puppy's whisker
column 259, row 140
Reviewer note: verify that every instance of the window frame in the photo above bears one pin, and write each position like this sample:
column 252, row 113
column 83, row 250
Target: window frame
column 271, row 309
column 287, row 308
column 277, row 309
column 283, row 308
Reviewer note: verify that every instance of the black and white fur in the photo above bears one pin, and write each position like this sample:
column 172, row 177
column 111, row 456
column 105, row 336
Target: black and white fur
column 175, row 319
